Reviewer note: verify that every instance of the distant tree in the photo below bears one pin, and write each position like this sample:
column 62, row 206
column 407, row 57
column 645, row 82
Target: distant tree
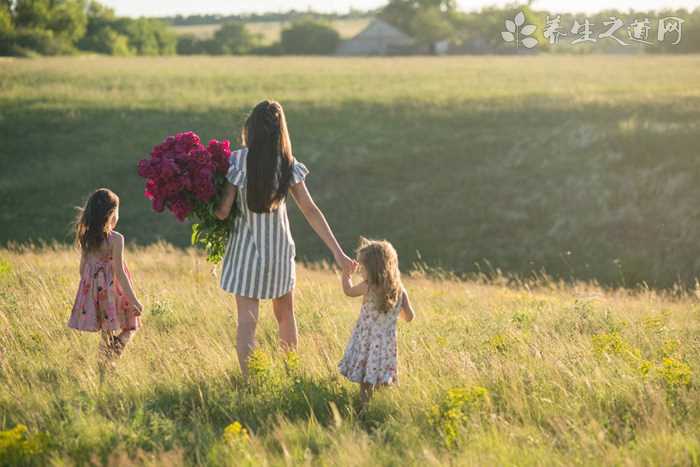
column 6, row 22
column 431, row 25
column 148, row 36
column 480, row 32
column 309, row 37
column 102, row 35
column 234, row 38
column 68, row 19
column 107, row 41
column 403, row 14
column 48, row 26
column 7, row 30
column 690, row 33
column 188, row 44
column 32, row 13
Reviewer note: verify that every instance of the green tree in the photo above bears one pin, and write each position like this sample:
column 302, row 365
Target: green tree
column 148, row 36
column 234, row 38
column 309, row 37
column 431, row 25
column 481, row 31
column 6, row 23
column 68, row 19
column 107, row 41
column 32, row 14
column 403, row 14
column 7, row 30
column 188, row 44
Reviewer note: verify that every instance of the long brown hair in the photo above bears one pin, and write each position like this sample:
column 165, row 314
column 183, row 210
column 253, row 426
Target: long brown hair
column 269, row 161
column 381, row 263
column 92, row 224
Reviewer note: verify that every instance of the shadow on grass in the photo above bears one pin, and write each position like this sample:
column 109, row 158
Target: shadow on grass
column 536, row 185
column 192, row 417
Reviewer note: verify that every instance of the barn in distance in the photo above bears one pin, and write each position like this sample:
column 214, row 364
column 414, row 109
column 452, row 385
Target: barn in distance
column 378, row 38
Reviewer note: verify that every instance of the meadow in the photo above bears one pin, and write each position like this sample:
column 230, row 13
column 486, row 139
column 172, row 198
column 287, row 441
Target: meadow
column 540, row 374
column 581, row 167
column 544, row 209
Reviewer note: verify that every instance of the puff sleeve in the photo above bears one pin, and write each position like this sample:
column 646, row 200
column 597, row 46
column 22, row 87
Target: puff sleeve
column 236, row 169
column 299, row 172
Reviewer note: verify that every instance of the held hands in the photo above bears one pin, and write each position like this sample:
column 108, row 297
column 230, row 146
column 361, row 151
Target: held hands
column 347, row 265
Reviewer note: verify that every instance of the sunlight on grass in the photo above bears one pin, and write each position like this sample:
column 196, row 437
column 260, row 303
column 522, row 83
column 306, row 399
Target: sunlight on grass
column 548, row 374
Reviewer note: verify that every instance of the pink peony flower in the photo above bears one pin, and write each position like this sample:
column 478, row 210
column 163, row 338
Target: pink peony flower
column 221, row 153
column 181, row 208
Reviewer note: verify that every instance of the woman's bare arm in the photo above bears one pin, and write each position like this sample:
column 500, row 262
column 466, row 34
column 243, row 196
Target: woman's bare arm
column 318, row 222
column 407, row 312
column 118, row 268
column 224, row 208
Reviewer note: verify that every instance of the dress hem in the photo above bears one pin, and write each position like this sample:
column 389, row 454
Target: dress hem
column 262, row 297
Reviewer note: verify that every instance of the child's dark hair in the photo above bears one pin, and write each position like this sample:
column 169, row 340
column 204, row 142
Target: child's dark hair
column 92, row 223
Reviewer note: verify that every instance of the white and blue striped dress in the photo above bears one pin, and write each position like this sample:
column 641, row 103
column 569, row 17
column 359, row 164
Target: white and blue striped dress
column 259, row 259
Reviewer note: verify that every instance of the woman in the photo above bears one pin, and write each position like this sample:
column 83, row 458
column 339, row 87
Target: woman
column 259, row 259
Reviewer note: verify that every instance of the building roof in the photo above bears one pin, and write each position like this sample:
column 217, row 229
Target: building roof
column 378, row 38
column 379, row 29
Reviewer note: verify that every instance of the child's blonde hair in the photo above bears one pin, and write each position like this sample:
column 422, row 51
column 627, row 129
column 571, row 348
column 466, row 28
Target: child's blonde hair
column 381, row 263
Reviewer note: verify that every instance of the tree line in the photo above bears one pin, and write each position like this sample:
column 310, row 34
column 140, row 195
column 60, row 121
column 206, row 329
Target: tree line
column 58, row 27
column 52, row 27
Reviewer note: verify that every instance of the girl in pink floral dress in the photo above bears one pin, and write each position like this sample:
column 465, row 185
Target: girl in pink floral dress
column 105, row 301
column 371, row 355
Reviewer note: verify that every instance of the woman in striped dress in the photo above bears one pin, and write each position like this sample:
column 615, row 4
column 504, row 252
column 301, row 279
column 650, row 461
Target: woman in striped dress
column 259, row 259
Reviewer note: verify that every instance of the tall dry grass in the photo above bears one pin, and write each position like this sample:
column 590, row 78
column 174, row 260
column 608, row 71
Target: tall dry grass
column 489, row 375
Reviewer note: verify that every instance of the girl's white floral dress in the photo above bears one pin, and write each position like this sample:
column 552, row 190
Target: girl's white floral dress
column 372, row 354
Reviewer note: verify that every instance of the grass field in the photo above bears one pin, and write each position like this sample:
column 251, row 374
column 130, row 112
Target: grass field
column 489, row 375
column 270, row 30
column 584, row 167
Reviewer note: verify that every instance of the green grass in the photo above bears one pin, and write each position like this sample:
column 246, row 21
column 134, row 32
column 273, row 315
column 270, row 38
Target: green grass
column 582, row 167
column 270, row 30
column 489, row 375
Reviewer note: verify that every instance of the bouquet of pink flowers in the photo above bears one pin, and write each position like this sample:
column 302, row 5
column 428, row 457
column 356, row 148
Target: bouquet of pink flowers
column 188, row 178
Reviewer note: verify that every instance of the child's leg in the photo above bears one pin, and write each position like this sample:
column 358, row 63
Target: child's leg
column 366, row 391
column 245, row 332
column 283, row 308
column 122, row 340
column 106, row 348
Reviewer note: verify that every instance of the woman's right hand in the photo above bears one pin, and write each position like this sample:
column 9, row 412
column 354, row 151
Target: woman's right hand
column 138, row 308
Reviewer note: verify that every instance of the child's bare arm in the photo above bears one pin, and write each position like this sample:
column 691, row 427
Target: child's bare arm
column 224, row 208
column 353, row 290
column 118, row 268
column 82, row 262
column 407, row 312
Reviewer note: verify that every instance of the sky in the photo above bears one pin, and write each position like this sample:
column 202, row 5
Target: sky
column 187, row 7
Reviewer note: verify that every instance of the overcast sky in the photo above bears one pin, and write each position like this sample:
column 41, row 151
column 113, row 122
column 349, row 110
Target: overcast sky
column 186, row 7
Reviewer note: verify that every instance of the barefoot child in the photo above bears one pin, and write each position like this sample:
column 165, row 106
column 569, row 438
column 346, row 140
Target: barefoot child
column 371, row 355
column 105, row 300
